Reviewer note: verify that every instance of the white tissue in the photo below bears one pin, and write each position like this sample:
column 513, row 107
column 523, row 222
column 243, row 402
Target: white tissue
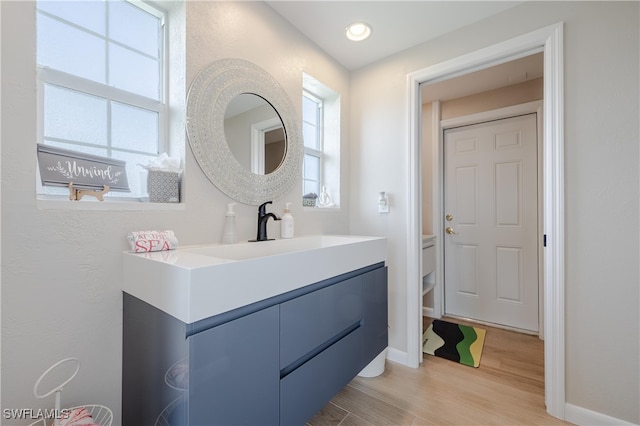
column 163, row 163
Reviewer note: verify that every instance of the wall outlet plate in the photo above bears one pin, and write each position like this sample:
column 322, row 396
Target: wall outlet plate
column 383, row 203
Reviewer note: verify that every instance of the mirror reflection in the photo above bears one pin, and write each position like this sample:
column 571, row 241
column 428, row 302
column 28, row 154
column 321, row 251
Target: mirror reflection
column 255, row 133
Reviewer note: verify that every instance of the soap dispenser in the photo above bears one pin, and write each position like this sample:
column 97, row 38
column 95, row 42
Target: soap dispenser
column 286, row 223
column 229, row 235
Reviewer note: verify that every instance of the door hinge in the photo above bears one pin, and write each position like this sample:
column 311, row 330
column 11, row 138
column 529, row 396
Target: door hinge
column 544, row 240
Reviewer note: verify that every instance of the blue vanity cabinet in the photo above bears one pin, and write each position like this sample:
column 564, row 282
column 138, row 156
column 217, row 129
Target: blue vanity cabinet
column 155, row 365
column 315, row 319
column 321, row 341
column 277, row 361
column 233, row 372
column 327, row 337
column 223, row 371
column 375, row 314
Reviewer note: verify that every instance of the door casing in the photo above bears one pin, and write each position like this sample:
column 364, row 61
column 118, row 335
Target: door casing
column 550, row 41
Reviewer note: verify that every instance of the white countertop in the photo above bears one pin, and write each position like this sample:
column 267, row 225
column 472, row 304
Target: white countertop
column 196, row 282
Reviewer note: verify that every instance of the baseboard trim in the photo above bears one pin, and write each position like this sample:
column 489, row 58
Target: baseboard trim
column 584, row 417
column 398, row 356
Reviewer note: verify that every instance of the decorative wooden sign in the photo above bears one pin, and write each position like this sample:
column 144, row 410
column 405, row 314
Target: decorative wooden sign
column 81, row 172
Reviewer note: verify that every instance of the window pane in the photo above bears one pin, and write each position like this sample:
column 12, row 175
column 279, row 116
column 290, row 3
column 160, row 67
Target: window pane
column 134, row 128
column 134, row 27
column 309, row 111
column 113, row 43
column 133, row 72
column 311, row 187
column 311, row 167
column 88, row 14
column 136, row 175
column 78, row 148
column 310, row 135
column 74, row 116
column 70, row 50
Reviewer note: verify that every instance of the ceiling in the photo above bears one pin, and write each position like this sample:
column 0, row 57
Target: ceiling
column 396, row 25
column 400, row 25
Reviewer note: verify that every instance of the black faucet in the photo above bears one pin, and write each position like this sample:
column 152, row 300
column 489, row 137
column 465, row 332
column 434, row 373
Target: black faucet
column 263, row 217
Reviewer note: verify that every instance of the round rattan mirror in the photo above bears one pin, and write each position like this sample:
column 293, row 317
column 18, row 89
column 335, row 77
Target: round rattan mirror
column 210, row 94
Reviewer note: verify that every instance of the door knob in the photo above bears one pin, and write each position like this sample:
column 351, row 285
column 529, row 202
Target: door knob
column 449, row 230
column 449, row 217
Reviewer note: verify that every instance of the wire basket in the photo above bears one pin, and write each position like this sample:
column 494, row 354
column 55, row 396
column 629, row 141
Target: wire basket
column 98, row 415
column 91, row 414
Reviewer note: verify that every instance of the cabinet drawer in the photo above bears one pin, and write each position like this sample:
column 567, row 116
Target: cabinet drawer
column 311, row 320
column 309, row 388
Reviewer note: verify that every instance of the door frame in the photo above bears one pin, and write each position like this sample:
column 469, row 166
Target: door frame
column 439, row 126
column 550, row 41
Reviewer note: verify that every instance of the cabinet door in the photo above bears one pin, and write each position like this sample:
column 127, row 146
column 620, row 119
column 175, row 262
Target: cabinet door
column 375, row 306
column 310, row 387
column 234, row 372
column 153, row 349
column 314, row 319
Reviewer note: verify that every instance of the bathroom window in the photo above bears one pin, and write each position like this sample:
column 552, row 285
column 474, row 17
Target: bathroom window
column 101, row 82
column 312, row 134
column 321, row 135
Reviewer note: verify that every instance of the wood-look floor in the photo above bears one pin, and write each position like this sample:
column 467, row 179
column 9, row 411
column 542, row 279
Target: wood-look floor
column 507, row 389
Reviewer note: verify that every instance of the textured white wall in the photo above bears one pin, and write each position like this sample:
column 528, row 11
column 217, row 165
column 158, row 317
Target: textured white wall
column 602, row 182
column 61, row 269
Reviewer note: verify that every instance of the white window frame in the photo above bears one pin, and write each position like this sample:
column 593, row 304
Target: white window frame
column 330, row 122
column 53, row 77
column 317, row 152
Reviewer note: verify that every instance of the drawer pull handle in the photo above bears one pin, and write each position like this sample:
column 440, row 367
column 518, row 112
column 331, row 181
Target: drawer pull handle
column 303, row 359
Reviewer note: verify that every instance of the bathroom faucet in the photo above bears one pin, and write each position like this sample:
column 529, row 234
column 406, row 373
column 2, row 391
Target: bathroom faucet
column 263, row 217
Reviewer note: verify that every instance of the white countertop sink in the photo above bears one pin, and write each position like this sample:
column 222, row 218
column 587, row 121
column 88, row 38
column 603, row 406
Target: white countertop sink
column 196, row 282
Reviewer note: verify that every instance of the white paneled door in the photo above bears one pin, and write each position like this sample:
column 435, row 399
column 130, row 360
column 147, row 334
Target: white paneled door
column 491, row 222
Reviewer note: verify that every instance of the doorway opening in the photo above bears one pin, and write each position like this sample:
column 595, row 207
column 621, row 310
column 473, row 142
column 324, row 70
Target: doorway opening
column 491, row 242
column 479, row 105
column 548, row 40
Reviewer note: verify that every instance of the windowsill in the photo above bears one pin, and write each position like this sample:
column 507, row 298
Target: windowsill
column 44, row 202
column 322, row 209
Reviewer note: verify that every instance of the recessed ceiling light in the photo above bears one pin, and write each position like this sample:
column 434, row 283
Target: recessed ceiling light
column 358, row 31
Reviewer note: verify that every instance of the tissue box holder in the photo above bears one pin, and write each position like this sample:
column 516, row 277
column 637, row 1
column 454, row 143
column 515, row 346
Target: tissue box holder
column 164, row 187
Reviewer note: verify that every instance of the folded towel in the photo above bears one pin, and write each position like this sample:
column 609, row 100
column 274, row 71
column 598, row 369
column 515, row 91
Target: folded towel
column 77, row 417
column 146, row 241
